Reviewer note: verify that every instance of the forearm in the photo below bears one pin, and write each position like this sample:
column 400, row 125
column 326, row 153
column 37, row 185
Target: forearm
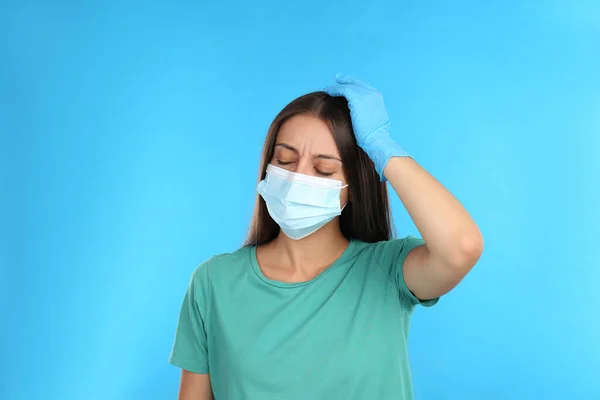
column 450, row 233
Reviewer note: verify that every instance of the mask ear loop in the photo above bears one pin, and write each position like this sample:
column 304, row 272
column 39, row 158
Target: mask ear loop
column 347, row 201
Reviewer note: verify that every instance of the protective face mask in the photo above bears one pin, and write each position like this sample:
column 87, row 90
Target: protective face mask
column 300, row 204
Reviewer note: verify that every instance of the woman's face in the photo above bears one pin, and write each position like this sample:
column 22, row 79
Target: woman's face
column 305, row 145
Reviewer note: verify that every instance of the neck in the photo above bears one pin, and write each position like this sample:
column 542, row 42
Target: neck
column 314, row 252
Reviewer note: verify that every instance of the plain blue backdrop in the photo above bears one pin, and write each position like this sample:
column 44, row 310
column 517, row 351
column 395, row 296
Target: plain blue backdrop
column 130, row 140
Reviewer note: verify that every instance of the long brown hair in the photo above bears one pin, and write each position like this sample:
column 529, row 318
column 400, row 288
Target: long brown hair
column 366, row 217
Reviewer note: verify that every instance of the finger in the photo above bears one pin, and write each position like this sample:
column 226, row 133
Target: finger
column 335, row 90
column 344, row 79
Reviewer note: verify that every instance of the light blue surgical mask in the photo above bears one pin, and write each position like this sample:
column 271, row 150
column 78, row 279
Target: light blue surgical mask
column 300, row 204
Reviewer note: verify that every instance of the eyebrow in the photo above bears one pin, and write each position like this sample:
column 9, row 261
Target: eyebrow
column 322, row 156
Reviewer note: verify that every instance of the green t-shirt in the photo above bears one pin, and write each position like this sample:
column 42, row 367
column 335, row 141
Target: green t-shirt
column 342, row 335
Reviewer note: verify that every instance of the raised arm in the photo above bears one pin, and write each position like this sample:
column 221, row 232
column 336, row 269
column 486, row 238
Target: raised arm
column 453, row 243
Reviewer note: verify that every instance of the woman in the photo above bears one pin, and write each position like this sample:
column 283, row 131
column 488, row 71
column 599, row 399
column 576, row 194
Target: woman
column 317, row 304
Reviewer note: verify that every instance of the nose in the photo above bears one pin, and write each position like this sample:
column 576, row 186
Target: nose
column 304, row 166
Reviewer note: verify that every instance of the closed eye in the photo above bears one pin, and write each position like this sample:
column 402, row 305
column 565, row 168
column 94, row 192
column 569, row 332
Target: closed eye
column 323, row 173
column 318, row 171
column 284, row 162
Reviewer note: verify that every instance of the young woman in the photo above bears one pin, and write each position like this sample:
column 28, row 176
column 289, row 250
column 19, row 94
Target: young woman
column 317, row 304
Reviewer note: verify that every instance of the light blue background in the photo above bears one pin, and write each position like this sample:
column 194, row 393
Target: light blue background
column 130, row 140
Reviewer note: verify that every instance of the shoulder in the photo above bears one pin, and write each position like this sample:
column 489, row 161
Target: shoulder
column 223, row 264
column 392, row 247
column 390, row 254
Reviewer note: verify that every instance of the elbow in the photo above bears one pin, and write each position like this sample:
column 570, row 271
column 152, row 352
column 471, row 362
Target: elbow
column 466, row 252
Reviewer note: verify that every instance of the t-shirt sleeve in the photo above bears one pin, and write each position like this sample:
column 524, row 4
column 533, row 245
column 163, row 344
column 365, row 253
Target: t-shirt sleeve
column 391, row 255
column 190, row 350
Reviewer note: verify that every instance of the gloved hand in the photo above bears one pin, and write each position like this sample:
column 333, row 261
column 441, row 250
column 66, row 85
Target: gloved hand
column 369, row 120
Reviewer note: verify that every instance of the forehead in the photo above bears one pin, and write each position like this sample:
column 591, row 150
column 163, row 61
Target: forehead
column 307, row 132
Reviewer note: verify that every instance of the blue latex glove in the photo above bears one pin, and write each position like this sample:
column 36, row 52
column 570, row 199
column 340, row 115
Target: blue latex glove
column 369, row 120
